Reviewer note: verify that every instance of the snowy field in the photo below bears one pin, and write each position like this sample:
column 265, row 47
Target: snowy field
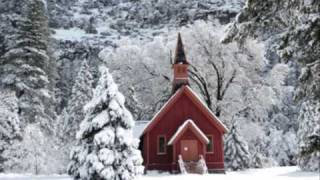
column 277, row 173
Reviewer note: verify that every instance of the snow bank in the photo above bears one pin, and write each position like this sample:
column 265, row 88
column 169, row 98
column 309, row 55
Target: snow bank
column 275, row 173
column 33, row 177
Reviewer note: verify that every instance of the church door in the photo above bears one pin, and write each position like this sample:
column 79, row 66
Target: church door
column 189, row 150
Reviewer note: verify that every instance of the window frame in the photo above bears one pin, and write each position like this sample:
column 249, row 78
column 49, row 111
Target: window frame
column 164, row 143
column 210, row 137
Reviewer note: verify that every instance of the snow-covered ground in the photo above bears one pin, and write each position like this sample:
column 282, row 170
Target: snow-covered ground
column 276, row 173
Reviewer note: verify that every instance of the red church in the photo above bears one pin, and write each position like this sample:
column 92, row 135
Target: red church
column 185, row 135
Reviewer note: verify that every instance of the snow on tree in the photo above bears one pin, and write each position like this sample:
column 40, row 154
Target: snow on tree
column 36, row 153
column 60, row 125
column 309, row 136
column 290, row 31
column 282, row 146
column 24, row 67
column 263, row 98
column 237, row 154
column 70, row 118
column 9, row 125
column 25, row 63
column 259, row 161
column 213, row 66
column 63, row 145
column 28, row 154
column 106, row 148
column 134, row 105
column 80, row 95
column 142, row 72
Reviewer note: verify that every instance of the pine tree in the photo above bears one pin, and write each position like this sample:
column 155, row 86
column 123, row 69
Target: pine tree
column 24, row 66
column 9, row 125
column 24, row 69
column 60, row 125
column 36, row 153
column 106, row 148
column 309, row 136
column 80, row 95
column 237, row 156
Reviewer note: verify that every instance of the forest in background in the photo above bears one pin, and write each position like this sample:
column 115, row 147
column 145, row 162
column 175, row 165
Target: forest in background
column 254, row 63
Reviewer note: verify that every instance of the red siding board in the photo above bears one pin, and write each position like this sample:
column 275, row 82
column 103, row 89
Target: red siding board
column 183, row 109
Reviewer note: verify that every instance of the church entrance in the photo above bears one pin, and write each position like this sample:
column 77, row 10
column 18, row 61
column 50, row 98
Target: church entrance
column 189, row 150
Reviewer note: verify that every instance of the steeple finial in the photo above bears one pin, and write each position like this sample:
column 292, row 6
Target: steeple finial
column 180, row 55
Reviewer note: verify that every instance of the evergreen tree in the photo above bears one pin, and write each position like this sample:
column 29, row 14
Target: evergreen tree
column 60, row 125
column 80, row 95
column 309, row 136
column 62, row 145
column 106, row 148
column 24, row 65
column 9, row 125
column 36, row 153
column 24, row 68
column 237, row 156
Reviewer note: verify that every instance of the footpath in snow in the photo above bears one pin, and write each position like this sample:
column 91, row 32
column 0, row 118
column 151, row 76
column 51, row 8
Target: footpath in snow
column 276, row 173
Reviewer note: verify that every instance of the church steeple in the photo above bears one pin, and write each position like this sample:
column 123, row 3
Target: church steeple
column 180, row 55
column 180, row 67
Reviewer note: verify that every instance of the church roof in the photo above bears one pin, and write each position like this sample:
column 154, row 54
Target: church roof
column 188, row 124
column 196, row 99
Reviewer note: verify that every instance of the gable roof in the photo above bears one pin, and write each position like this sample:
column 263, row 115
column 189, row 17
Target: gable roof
column 196, row 100
column 188, row 124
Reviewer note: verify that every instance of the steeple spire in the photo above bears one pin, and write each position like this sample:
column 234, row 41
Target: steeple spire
column 180, row 56
column 180, row 67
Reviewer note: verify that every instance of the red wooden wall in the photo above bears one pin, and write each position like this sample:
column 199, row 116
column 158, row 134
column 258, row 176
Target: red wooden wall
column 182, row 110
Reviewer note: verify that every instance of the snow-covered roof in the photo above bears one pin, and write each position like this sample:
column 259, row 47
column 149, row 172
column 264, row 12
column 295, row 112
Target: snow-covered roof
column 138, row 128
column 183, row 127
column 174, row 96
column 218, row 120
column 162, row 108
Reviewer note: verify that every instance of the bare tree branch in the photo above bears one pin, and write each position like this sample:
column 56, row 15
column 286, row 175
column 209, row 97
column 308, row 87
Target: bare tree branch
column 230, row 81
column 202, row 85
column 154, row 73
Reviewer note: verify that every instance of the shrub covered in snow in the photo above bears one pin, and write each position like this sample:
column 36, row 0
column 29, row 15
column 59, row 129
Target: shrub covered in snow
column 9, row 125
column 237, row 155
column 309, row 136
column 36, row 153
column 106, row 148
column 80, row 95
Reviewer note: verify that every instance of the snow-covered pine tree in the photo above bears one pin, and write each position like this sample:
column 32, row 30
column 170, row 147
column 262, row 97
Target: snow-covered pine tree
column 80, row 95
column 106, row 149
column 37, row 153
column 63, row 146
column 309, row 136
column 28, row 154
column 60, row 125
column 237, row 155
column 23, row 66
column 290, row 31
column 9, row 125
column 23, row 69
